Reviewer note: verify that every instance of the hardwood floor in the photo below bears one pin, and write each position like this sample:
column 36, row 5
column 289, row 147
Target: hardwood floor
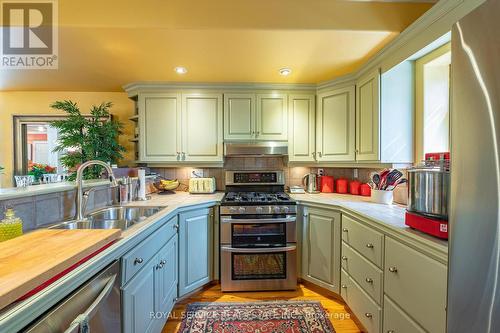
column 340, row 316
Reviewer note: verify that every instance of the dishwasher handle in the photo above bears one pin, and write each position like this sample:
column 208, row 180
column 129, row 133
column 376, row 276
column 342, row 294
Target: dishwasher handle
column 81, row 322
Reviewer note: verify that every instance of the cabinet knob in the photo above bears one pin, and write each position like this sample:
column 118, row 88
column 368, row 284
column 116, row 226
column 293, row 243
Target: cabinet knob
column 344, row 286
column 163, row 262
column 176, row 226
column 369, row 280
column 345, row 230
column 369, row 245
column 391, row 331
column 320, row 154
column 344, row 258
column 183, row 156
column 368, row 315
column 393, row 269
column 138, row 261
column 314, row 155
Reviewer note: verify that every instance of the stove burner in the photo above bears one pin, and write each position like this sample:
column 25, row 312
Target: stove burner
column 256, row 197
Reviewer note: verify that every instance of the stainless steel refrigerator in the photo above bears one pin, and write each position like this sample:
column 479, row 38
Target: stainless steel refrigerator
column 474, row 254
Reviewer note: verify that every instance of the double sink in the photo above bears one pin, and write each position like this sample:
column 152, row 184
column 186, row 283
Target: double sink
column 114, row 217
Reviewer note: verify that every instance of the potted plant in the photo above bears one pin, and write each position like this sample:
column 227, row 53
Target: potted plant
column 84, row 138
column 37, row 170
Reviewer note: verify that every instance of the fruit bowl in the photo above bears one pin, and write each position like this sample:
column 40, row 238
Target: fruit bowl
column 166, row 185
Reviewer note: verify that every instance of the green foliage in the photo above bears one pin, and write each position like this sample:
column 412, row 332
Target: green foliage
column 87, row 138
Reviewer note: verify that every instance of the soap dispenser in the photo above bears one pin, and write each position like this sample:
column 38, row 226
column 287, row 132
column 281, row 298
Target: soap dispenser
column 11, row 226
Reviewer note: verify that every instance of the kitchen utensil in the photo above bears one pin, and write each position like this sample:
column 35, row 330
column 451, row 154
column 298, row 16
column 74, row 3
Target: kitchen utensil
column 398, row 182
column 341, row 186
column 428, row 191
column 312, row 183
column 354, row 187
column 382, row 197
column 376, row 179
column 392, row 178
column 327, row 184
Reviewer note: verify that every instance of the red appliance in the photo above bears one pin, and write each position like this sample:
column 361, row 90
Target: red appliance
column 354, row 187
column 366, row 190
column 434, row 227
column 327, row 184
column 341, row 186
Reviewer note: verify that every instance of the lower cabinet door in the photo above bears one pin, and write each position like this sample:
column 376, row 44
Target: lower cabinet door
column 321, row 248
column 397, row 321
column 138, row 301
column 364, row 308
column 166, row 277
column 195, row 249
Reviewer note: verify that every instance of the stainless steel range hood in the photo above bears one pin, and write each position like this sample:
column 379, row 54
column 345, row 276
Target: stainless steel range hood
column 264, row 148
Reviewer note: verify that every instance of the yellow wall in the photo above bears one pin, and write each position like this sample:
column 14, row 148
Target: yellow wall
column 37, row 102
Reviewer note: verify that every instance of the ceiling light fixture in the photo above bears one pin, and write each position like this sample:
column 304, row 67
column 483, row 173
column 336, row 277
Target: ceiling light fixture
column 180, row 70
column 285, row 71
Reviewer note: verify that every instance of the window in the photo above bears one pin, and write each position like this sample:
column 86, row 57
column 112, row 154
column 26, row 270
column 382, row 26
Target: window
column 433, row 102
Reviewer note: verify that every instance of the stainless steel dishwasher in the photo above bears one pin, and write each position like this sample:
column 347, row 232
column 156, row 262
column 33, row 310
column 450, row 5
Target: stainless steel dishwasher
column 94, row 307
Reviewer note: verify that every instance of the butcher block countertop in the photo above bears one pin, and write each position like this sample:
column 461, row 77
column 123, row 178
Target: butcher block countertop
column 28, row 261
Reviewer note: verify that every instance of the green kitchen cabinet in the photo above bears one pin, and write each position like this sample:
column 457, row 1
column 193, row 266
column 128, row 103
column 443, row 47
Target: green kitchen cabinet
column 321, row 246
column 301, row 128
column 139, row 300
column 368, row 117
column 195, row 249
column 239, row 116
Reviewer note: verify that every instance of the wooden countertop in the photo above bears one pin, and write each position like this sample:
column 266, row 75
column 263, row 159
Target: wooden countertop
column 28, row 261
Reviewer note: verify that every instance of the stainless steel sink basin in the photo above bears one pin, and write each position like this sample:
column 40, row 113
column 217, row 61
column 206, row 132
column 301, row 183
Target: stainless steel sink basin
column 116, row 217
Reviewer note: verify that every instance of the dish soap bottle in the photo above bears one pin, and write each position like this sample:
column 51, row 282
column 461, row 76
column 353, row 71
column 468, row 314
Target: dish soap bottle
column 11, row 226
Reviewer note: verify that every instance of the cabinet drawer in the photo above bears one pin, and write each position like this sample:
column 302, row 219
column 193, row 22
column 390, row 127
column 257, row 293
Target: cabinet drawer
column 366, row 274
column 365, row 309
column 417, row 283
column 364, row 239
column 136, row 258
column 397, row 321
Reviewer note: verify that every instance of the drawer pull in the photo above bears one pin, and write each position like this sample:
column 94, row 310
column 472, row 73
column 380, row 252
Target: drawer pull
column 393, row 269
column 368, row 315
column 369, row 280
column 344, row 286
column 176, row 226
column 345, row 230
column 162, row 263
column 344, row 258
column 138, row 261
column 391, row 331
column 369, row 245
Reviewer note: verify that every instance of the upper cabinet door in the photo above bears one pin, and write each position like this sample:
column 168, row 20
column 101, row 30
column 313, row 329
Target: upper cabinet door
column 335, row 138
column 301, row 128
column 239, row 116
column 272, row 117
column 159, row 127
column 202, row 127
column 368, row 117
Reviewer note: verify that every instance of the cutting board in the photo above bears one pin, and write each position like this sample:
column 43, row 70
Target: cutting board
column 30, row 260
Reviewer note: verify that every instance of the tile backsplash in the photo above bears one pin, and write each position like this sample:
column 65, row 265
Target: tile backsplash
column 293, row 175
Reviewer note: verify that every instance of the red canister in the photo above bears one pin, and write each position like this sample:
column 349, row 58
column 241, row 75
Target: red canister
column 366, row 190
column 326, row 184
column 341, row 186
column 354, row 187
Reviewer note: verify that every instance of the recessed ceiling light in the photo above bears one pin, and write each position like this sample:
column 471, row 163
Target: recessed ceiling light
column 180, row 70
column 285, row 71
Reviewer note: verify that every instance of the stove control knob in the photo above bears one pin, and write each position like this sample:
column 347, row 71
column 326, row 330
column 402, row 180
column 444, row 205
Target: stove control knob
column 277, row 210
column 242, row 209
column 285, row 209
column 259, row 209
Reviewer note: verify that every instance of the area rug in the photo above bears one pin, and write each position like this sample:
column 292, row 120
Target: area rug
column 256, row 317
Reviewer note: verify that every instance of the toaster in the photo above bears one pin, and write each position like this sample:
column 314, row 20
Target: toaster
column 202, row 185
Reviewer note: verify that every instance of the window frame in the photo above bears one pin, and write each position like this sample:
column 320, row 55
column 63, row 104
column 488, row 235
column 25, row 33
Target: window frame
column 419, row 97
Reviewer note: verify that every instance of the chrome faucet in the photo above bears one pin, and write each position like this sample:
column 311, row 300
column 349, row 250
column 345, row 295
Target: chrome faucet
column 81, row 198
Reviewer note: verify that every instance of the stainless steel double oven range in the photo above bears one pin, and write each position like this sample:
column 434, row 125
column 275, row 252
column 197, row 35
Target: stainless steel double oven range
column 258, row 233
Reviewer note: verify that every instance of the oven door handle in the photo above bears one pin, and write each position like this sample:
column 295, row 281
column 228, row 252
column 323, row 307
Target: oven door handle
column 287, row 219
column 258, row 250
